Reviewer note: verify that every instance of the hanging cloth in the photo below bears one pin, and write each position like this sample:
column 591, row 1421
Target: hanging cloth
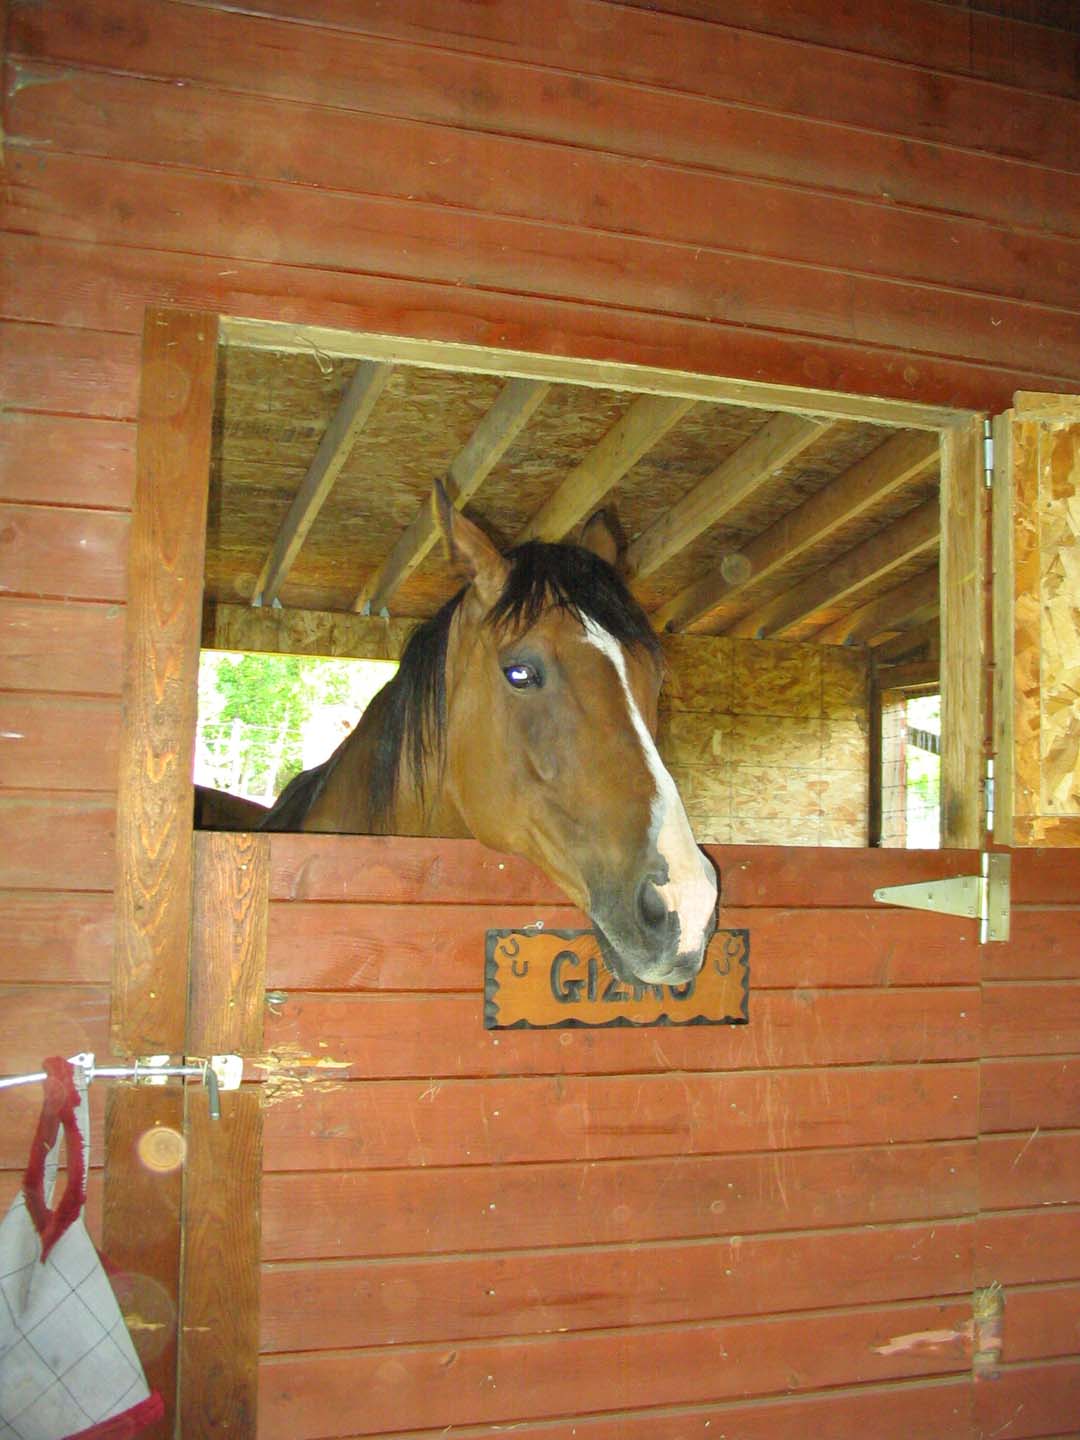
column 68, row 1368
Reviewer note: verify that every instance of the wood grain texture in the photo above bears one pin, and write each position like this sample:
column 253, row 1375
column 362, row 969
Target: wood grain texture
column 311, row 1216
column 964, row 701
column 144, row 1157
column 162, row 641
column 220, row 1298
column 359, row 1393
column 61, row 646
column 56, row 937
column 228, row 948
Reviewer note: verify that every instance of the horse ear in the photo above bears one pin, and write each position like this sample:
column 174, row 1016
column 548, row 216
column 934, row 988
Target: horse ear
column 604, row 536
column 468, row 549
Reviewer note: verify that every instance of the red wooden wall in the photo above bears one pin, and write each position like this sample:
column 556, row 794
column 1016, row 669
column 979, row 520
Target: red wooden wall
column 881, row 198
column 757, row 1232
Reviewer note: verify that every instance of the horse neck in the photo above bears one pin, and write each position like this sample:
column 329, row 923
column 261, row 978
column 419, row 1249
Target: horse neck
column 344, row 806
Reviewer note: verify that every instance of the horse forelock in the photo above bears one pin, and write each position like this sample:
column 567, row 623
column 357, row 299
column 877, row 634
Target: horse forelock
column 567, row 577
column 541, row 577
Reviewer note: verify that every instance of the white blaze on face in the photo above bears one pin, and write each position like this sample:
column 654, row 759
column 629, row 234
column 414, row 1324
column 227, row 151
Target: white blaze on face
column 690, row 889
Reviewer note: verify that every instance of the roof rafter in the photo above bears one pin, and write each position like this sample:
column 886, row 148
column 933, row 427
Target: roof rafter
column 508, row 415
column 898, row 609
column 866, row 484
column 647, row 420
column 360, row 397
column 917, row 531
column 755, row 462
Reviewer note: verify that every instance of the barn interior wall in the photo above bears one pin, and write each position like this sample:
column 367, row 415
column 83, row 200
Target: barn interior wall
column 768, row 742
column 881, row 201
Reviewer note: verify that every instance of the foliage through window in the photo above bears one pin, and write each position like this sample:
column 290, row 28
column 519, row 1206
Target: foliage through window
column 263, row 718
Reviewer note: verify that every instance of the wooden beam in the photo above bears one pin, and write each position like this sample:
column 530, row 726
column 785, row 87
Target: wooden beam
column 963, row 634
column 647, row 420
column 903, row 458
column 752, row 465
column 515, row 405
column 144, row 1168
column 904, row 540
column 228, row 948
column 164, row 614
column 925, row 637
column 219, row 1305
column 361, row 394
column 334, row 633
column 901, row 608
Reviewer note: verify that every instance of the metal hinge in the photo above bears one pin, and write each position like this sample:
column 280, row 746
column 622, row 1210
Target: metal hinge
column 983, row 897
column 988, row 454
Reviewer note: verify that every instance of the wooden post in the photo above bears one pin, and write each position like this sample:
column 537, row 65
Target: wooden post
column 164, row 621
column 963, row 635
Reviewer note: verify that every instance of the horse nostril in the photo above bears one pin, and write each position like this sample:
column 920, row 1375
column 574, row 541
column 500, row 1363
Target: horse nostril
column 651, row 906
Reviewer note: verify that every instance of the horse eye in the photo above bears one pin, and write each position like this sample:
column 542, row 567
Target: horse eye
column 522, row 676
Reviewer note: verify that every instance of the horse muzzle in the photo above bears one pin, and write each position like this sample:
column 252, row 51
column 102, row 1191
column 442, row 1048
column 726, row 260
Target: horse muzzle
column 655, row 935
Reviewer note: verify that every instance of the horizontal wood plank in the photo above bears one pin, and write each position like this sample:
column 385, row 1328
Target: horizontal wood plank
column 57, row 842
column 54, row 938
column 1041, row 946
column 40, row 1020
column 399, row 1123
column 432, row 948
column 938, row 1407
column 719, row 63
column 58, row 280
column 60, row 645
column 1031, row 1019
column 286, row 224
column 368, row 1392
column 1043, row 1322
column 51, row 743
column 419, row 1301
column 1018, row 1095
column 1031, row 1168
column 311, row 1216
column 76, row 372
column 1032, row 1400
column 53, row 460
column 1027, row 1247
column 381, row 1037
column 64, row 554
column 98, row 114
column 376, row 869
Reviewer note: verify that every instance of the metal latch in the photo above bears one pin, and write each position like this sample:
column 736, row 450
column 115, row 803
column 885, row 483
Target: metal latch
column 983, row 897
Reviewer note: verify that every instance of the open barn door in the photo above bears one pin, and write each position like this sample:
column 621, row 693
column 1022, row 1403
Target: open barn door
column 1036, row 522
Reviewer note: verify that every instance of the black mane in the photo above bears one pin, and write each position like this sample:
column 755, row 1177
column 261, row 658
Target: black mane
column 541, row 576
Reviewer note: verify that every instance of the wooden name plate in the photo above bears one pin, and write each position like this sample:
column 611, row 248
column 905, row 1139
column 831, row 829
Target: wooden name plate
column 551, row 979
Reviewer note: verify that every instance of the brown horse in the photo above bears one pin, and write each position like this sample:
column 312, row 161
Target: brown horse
column 523, row 714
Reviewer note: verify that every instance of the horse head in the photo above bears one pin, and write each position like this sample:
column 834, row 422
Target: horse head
column 552, row 682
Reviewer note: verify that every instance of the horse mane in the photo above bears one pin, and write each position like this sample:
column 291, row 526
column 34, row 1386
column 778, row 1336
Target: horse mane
column 541, row 576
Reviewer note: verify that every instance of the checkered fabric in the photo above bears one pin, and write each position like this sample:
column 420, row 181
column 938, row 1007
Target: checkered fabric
column 67, row 1364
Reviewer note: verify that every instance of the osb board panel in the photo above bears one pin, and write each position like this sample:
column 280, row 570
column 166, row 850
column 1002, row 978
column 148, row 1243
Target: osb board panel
column 1059, row 539
column 275, row 406
column 768, row 741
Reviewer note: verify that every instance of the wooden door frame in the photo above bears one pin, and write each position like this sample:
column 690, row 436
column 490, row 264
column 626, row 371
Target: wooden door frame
column 175, row 991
